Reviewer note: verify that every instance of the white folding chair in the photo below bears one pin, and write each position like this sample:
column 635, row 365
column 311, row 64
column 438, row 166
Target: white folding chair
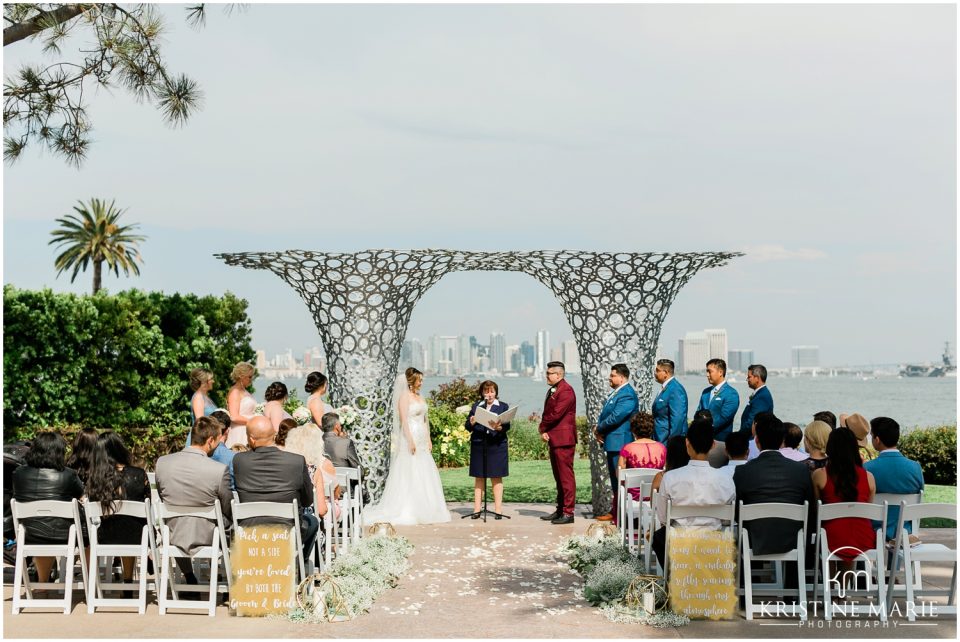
column 275, row 510
column 723, row 512
column 147, row 546
column 215, row 553
column 873, row 559
column 63, row 552
column 353, row 488
column 345, row 527
column 330, row 524
column 893, row 512
column 931, row 553
column 627, row 479
column 796, row 555
column 648, row 559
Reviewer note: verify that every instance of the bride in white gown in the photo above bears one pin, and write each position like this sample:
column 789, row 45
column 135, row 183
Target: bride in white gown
column 413, row 493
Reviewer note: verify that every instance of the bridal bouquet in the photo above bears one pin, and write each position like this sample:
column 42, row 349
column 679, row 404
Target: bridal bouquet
column 302, row 415
column 348, row 415
column 260, row 408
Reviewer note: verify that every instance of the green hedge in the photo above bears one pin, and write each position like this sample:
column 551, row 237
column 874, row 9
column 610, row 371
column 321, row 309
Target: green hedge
column 935, row 448
column 115, row 361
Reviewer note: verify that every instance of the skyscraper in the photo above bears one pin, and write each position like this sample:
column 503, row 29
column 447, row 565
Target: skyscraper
column 571, row 356
column 498, row 355
column 739, row 360
column 804, row 358
column 716, row 344
column 528, row 354
column 543, row 351
column 694, row 352
column 512, row 358
column 464, row 355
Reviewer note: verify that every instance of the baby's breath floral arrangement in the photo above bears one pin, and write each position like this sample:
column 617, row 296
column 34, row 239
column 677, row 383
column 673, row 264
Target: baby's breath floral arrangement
column 370, row 567
column 608, row 569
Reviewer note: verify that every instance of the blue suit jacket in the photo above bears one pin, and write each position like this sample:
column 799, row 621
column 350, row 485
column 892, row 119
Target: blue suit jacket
column 723, row 408
column 614, row 421
column 894, row 473
column 762, row 401
column 670, row 412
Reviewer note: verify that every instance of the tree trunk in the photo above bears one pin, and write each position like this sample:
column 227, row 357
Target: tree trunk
column 41, row 22
column 97, row 267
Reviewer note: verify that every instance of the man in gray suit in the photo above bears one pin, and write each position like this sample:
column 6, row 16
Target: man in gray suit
column 340, row 449
column 191, row 478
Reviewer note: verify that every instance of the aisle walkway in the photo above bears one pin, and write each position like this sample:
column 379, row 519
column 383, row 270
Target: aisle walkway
column 468, row 580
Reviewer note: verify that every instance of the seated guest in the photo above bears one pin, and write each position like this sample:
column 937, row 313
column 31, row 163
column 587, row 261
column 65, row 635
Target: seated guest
column 192, row 478
column 339, row 448
column 113, row 478
column 222, row 454
column 844, row 479
column 283, row 430
column 44, row 477
column 792, row 437
column 737, row 451
column 676, row 457
column 772, row 478
column 307, row 440
column 267, row 474
column 826, row 417
column 860, row 427
column 892, row 471
column 643, row 451
column 815, row 438
column 82, row 452
column 696, row 484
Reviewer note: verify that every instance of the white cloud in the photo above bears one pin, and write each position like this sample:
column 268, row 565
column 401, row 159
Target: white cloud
column 764, row 253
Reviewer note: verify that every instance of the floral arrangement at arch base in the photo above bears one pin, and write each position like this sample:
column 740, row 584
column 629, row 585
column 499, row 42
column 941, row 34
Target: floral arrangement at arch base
column 609, row 571
column 359, row 577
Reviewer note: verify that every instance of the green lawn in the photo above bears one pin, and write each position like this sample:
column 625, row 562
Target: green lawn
column 532, row 482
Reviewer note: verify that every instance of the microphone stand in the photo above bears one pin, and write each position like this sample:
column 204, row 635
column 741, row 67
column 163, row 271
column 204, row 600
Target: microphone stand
column 483, row 512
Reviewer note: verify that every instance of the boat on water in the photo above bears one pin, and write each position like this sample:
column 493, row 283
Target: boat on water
column 947, row 367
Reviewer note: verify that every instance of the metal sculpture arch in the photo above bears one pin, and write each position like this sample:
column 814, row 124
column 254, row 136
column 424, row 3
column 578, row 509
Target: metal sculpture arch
column 361, row 303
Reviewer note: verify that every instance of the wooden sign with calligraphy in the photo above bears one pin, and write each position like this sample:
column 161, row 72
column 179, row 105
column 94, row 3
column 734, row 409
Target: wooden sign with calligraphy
column 263, row 563
column 703, row 573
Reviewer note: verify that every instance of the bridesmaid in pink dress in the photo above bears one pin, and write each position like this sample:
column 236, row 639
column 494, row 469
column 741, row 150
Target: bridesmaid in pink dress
column 643, row 451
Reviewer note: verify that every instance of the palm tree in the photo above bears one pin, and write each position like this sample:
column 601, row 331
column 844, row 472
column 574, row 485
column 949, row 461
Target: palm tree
column 92, row 234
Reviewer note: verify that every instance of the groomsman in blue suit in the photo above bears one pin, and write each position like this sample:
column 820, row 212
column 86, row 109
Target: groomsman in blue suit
column 613, row 425
column 760, row 399
column 670, row 407
column 720, row 399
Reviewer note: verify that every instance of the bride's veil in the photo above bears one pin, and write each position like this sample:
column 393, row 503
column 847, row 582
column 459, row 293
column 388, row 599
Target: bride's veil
column 401, row 394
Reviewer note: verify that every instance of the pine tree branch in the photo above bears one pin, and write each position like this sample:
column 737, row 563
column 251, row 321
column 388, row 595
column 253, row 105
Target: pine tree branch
column 42, row 21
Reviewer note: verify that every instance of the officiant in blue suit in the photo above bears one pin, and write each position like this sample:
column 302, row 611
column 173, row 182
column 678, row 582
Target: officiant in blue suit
column 720, row 398
column 488, row 448
column 669, row 409
column 613, row 425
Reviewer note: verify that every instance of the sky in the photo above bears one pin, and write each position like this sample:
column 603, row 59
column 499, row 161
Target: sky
column 820, row 140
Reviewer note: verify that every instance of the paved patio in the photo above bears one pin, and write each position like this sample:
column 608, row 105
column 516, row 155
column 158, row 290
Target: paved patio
column 468, row 579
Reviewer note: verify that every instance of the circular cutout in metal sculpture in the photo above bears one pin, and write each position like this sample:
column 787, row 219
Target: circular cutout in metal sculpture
column 361, row 302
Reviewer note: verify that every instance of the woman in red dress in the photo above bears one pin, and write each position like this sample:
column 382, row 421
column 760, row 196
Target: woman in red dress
column 644, row 451
column 845, row 480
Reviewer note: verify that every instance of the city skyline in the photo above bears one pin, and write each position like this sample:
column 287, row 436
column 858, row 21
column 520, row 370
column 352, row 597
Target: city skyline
column 819, row 140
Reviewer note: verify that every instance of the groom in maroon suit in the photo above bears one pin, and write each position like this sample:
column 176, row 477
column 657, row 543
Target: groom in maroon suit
column 559, row 429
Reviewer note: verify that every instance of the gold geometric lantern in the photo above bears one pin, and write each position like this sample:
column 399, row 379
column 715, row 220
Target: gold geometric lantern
column 599, row 530
column 384, row 529
column 646, row 592
column 320, row 594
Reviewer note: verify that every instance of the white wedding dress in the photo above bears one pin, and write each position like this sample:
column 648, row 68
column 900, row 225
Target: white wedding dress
column 413, row 493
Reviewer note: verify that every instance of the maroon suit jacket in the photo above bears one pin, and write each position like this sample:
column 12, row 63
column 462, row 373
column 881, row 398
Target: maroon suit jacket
column 560, row 416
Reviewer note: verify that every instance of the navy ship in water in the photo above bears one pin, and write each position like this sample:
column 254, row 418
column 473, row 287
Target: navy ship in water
column 945, row 369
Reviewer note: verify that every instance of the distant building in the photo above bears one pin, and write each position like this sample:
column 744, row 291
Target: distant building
column 528, row 354
column 556, row 354
column 716, row 344
column 739, row 360
column 511, row 353
column 498, row 352
column 465, row 354
column 571, row 356
column 261, row 359
column 412, row 355
column 694, row 349
column 543, row 351
column 804, row 358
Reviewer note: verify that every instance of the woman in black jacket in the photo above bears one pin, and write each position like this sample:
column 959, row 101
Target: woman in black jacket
column 45, row 476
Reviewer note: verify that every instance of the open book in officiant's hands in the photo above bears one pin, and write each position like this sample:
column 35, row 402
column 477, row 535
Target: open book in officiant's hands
column 486, row 418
